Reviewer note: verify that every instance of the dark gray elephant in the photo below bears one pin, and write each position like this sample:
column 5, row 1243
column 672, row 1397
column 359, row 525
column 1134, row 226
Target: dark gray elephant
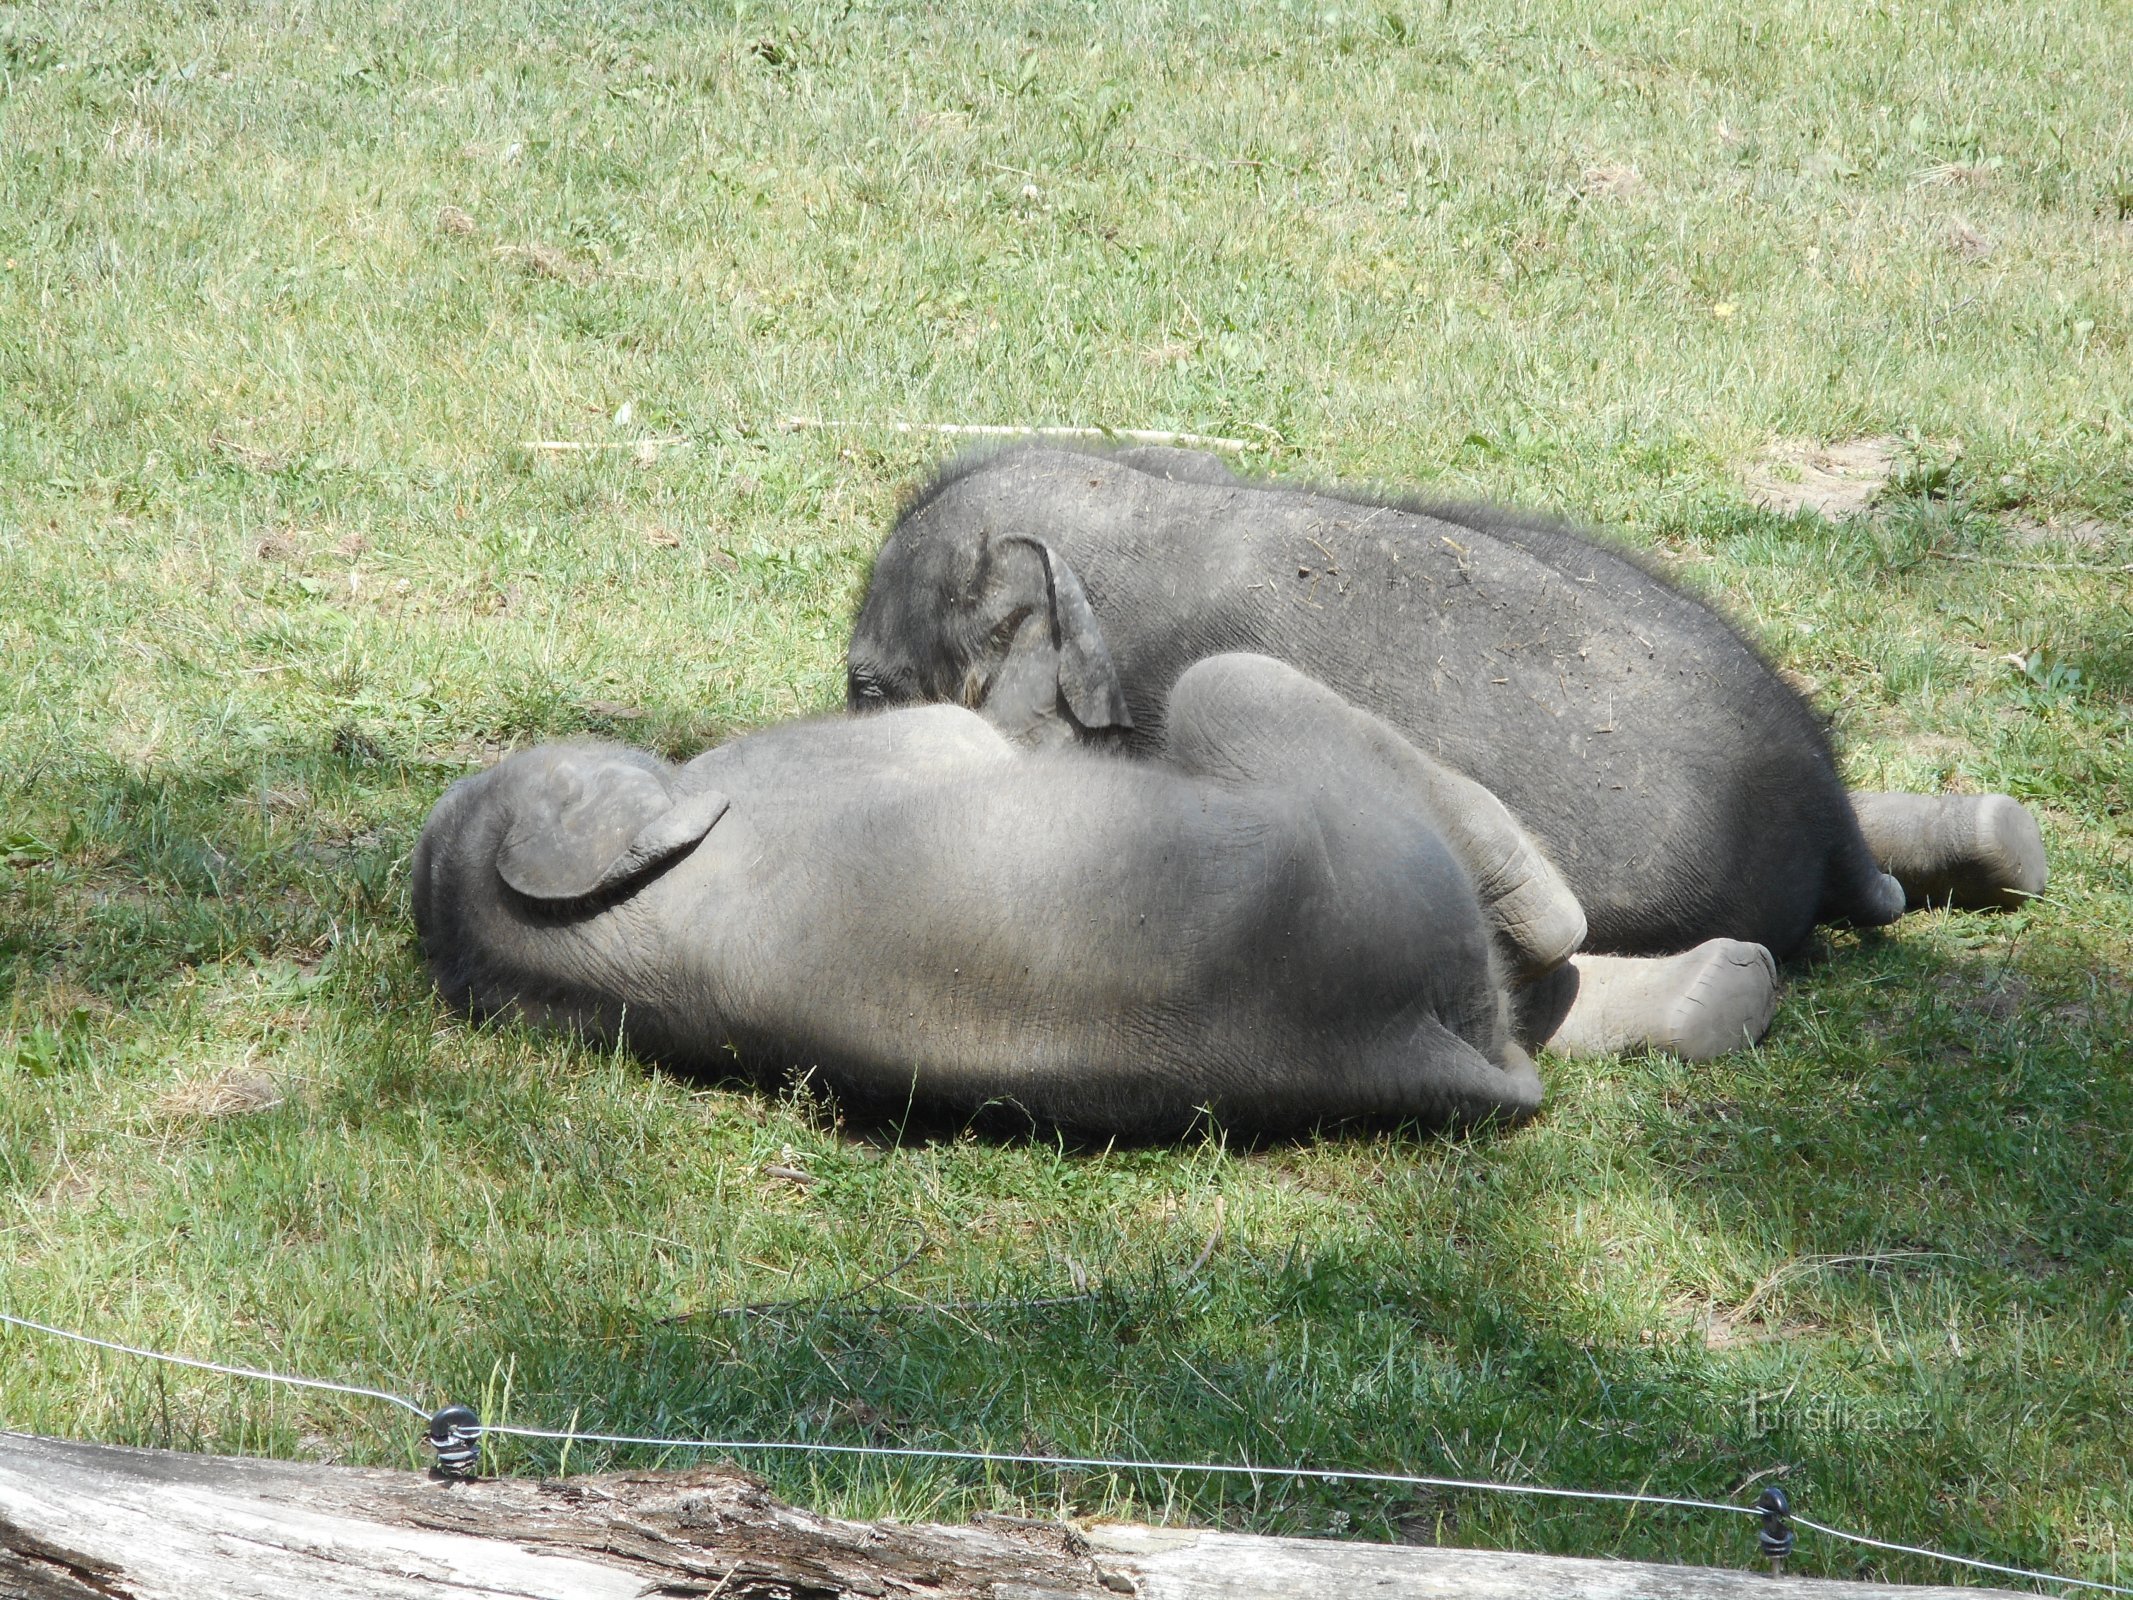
column 1290, row 917
column 1685, row 792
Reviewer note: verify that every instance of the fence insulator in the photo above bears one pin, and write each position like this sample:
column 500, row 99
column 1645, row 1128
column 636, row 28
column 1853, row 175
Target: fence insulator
column 1776, row 1535
column 455, row 1434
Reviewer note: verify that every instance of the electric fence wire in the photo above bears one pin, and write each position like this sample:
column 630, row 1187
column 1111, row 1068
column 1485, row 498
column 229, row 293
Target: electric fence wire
column 1002, row 1458
column 216, row 1366
column 466, row 1433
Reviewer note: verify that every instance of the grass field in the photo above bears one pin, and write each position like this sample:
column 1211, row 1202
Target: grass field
column 285, row 285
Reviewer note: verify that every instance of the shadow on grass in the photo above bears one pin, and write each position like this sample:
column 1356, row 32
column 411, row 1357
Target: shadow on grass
column 144, row 871
column 1923, row 1160
column 1863, row 1258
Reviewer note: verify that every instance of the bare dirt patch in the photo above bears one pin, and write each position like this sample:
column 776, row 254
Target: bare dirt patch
column 470, row 753
column 546, row 261
column 2065, row 533
column 1943, row 751
column 248, row 456
column 1959, row 174
column 1833, row 480
column 1720, row 1328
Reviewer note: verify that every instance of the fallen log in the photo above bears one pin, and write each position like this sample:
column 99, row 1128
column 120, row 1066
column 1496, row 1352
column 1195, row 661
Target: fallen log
column 97, row 1522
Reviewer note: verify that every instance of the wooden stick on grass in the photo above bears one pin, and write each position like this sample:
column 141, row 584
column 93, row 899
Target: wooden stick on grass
column 642, row 447
column 1004, row 430
column 2029, row 566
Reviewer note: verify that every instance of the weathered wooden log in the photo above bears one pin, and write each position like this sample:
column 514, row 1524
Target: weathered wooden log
column 95, row 1522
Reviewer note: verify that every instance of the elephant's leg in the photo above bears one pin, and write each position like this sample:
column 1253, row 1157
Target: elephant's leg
column 1536, row 917
column 1701, row 1003
column 1955, row 849
column 1245, row 716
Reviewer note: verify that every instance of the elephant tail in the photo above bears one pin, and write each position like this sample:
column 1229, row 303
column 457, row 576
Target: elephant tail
column 1857, row 892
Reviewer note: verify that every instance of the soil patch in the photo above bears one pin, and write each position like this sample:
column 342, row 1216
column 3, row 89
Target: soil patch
column 1833, row 480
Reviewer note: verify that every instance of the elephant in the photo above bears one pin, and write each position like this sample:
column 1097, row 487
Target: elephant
column 919, row 913
column 1688, row 796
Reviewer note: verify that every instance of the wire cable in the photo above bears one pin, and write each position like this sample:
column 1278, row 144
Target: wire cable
column 1961, row 1561
column 466, row 1433
column 1115, row 1464
column 216, row 1366
column 1324, row 1474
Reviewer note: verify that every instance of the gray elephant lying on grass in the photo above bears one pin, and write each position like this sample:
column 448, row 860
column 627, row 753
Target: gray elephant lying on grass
column 1688, row 796
column 1289, row 917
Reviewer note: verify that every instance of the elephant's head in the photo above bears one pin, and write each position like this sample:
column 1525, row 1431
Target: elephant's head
column 998, row 622
column 518, row 869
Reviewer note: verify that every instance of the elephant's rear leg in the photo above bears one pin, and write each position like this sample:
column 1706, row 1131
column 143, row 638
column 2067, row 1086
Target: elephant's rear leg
column 1246, row 716
column 1963, row 850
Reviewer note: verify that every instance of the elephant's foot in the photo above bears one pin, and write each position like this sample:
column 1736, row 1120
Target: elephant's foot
column 1963, row 850
column 1701, row 1003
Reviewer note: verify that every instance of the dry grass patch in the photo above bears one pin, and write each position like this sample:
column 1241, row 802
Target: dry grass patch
column 1612, row 181
column 546, row 261
column 250, row 457
column 1966, row 241
column 235, row 1091
column 1960, row 174
column 1833, row 480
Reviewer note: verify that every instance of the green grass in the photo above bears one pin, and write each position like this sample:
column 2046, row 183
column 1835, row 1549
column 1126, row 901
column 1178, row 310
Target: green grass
column 275, row 572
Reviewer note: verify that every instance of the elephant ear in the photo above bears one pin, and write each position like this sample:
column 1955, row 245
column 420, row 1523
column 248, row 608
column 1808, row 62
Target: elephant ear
column 1088, row 679
column 577, row 839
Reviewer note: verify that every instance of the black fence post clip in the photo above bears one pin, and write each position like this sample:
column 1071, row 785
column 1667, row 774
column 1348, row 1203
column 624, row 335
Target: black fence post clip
column 455, row 1434
column 1776, row 1535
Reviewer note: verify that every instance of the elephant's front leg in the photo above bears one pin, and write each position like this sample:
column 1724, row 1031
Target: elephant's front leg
column 1966, row 850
